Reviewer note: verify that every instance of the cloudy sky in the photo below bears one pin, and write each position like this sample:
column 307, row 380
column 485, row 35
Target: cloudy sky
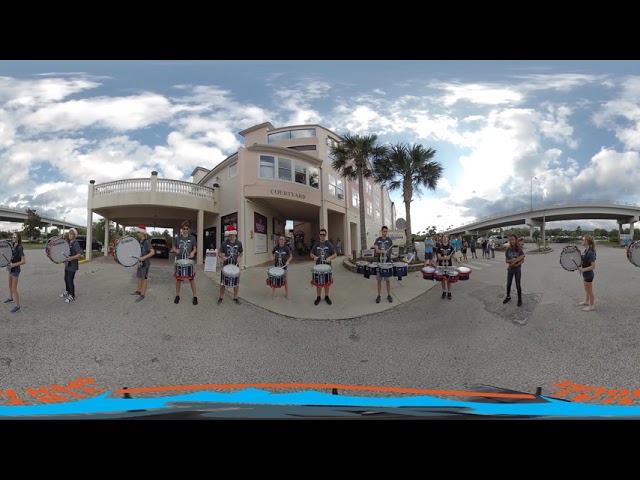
column 574, row 125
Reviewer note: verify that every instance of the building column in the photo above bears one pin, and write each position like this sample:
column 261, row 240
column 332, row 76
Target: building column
column 200, row 247
column 89, row 220
column 105, row 246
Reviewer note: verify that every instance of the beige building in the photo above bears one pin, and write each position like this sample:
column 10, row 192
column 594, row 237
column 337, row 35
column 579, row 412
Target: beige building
column 279, row 175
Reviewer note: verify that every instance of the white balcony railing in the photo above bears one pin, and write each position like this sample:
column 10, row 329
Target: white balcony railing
column 132, row 185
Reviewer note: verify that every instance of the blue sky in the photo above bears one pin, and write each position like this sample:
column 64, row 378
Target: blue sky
column 575, row 125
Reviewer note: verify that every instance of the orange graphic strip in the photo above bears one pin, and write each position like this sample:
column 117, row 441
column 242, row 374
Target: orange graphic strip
column 220, row 386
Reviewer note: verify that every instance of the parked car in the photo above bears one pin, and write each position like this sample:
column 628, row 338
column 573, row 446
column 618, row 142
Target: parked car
column 161, row 247
column 95, row 245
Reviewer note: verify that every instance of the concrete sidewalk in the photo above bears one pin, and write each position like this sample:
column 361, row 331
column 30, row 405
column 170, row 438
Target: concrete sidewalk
column 352, row 294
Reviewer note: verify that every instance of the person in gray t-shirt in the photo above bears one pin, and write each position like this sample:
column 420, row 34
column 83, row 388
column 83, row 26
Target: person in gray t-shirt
column 185, row 248
column 382, row 247
column 144, row 262
column 71, row 266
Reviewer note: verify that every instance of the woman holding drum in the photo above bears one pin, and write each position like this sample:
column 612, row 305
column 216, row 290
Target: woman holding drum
column 17, row 259
column 230, row 253
column 588, row 272
column 323, row 252
column 278, row 274
column 144, row 262
column 185, row 248
column 71, row 266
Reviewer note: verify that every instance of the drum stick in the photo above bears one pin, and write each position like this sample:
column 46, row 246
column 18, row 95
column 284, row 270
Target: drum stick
column 5, row 257
column 575, row 263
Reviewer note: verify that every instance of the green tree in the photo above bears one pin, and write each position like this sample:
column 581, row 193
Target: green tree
column 353, row 158
column 408, row 167
column 32, row 223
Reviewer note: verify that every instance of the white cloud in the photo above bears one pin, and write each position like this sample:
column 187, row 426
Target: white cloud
column 29, row 93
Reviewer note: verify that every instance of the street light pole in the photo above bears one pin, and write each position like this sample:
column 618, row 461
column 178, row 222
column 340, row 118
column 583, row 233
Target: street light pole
column 532, row 178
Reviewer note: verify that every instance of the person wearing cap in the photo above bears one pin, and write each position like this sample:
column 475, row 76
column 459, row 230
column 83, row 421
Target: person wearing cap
column 230, row 253
column 71, row 266
column 144, row 262
column 185, row 247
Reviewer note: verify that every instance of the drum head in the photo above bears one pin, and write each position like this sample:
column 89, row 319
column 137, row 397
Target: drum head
column 323, row 267
column 128, row 251
column 185, row 261
column 231, row 270
column 399, row 264
column 276, row 271
column 570, row 258
column 464, row 269
column 633, row 252
column 428, row 269
column 6, row 252
column 57, row 248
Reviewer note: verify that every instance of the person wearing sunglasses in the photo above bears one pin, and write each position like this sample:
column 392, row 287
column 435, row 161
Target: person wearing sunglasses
column 17, row 259
column 323, row 252
column 185, row 248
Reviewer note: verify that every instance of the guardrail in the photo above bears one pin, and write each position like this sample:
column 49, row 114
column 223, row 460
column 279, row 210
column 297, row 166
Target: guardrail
column 132, row 185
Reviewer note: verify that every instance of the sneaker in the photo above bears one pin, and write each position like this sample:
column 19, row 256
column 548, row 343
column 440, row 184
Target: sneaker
column 15, row 309
column 506, row 300
column 378, row 299
column 390, row 298
column 444, row 294
column 449, row 295
column 317, row 301
column 8, row 300
column 588, row 308
column 219, row 300
column 237, row 300
column 177, row 299
column 140, row 298
column 63, row 295
column 136, row 293
column 195, row 300
column 69, row 299
column 582, row 304
column 519, row 302
column 328, row 300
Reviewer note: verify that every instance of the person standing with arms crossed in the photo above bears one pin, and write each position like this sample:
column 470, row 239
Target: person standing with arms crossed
column 230, row 252
column 144, row 262
column 588, row 272
column 282, row 255
column 17, row 259
column 71, row 266
column 185, row 247
column 382, row 247
column 445, row 253
column 514, row 256
column 323, row 252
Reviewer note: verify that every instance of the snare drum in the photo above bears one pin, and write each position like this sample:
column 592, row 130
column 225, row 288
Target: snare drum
column 361, row 266
column 400, row 269
column 370, row 269
column 452, row 276
column 321, row 275
column 127, row 251
column 633, row 252
column 464, row 273
column 385, row 270
column 57, row 249
column 427, row 273
column 6, row 252
column 231, row 275
column 184, row 269
column 570, row 258
column 275, row 277
column 439, row 274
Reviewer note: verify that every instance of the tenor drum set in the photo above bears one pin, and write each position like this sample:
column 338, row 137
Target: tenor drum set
column 449, row 274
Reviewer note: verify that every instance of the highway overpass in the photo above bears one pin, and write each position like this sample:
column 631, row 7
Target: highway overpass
column 19, row 216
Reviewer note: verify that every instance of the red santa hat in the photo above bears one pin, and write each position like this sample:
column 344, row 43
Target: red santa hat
column 141, row 229
column 231, row 230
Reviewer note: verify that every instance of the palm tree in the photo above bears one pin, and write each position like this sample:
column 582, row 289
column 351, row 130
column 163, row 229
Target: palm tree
column 409, row 167
column 353, row 158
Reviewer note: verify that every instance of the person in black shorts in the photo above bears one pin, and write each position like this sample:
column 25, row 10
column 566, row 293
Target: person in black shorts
column 588, row 272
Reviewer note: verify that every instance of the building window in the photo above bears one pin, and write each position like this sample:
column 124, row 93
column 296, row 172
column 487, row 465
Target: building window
column 367, row 185
column 314, row 177
column 267, row 166
column 369, row 208
column 332, row 185
column 289, row 134
column 233, row 170
column 303, row 148
column 377, row 215
column 301, row 173
column 303, row 133
column 354, row 198
column 339, row 188
column 377, row 200
column 284, row 169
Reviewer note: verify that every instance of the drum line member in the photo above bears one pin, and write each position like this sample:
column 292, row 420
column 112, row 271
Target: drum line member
column 588, row 272
column 71, row 266
column 429, row 244
column 382, row 247
column 146, row 252
column 17, row 259
column 445, row 252
column 185, row 247
column 323, row 252
column 279, row 252
column 514, row 257
column 230, row 252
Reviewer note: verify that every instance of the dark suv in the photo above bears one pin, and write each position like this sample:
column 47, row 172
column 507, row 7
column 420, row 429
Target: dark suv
column 160, row 246
column 82, row 240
